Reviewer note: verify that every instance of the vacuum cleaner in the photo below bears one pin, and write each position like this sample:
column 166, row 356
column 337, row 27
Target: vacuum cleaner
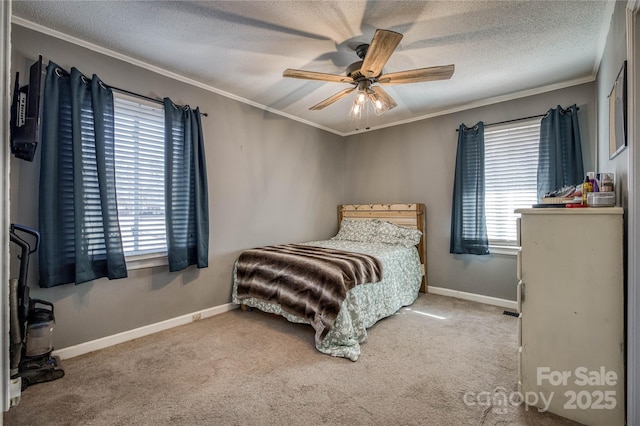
column 31, row 321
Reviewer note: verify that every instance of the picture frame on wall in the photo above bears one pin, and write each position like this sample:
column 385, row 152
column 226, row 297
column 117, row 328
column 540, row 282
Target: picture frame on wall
column 618, row 113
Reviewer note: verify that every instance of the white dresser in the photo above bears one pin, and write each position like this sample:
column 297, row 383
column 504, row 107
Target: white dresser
column 571, row 303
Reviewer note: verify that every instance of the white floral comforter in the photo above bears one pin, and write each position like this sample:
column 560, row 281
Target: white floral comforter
column 365, row 304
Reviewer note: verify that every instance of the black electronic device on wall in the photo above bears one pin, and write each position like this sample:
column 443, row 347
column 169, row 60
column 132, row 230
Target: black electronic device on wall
column 25, row 114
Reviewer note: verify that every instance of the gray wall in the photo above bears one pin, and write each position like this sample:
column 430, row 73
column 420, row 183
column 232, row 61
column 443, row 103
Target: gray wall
column 271, row 180
column 614, row 55
column 415, row 163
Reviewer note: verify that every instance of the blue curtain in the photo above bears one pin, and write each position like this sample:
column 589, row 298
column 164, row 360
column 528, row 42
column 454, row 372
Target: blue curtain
column 78, row 217
column 560, row 154
column 468, row 221
column 186, row 193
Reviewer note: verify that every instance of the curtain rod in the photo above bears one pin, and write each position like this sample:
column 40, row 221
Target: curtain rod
column 63, row 73
column 517, row 119
column 138, row 95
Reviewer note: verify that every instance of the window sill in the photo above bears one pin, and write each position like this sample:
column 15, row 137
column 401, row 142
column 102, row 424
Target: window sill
column 504, row 250
column 146, row 261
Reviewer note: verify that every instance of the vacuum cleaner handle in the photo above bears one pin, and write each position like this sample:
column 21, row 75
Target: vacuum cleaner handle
column 27, row 230
column 34, row 302
column 22, row 290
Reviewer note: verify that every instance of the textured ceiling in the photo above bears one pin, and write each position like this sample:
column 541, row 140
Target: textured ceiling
column 241, row 48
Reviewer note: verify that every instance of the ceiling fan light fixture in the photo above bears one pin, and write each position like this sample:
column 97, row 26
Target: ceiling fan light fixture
column 379, row 104
column 357, row 107
column 359, row 101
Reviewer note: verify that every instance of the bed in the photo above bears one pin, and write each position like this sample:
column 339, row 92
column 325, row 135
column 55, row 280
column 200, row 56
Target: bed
column 342, row 286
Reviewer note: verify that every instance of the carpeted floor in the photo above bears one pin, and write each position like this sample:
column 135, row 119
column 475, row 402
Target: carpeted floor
column 441, row 361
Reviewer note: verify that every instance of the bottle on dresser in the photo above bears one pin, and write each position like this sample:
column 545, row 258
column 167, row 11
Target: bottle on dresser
column 586, row 188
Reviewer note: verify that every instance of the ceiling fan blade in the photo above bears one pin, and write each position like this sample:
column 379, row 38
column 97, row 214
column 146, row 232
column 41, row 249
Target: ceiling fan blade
column 384, row 97
column 332, row 99
column 415, row 76
column 312, row 75
column 382, row 46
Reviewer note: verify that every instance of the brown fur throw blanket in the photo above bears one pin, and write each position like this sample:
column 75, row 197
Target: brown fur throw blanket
column 307, row 281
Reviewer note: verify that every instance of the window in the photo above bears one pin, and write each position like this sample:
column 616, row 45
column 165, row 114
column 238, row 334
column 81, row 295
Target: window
column 511, row 167
column 139, row 156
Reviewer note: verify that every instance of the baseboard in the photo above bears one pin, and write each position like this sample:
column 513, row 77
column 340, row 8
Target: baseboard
column 504, row 303
column 104, row 342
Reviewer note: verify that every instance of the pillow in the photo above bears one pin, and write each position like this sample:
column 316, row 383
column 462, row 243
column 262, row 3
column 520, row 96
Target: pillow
column 360, row 230
column 390, row 233
column 377, row 231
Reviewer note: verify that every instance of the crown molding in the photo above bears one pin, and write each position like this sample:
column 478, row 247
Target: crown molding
column 158, row 70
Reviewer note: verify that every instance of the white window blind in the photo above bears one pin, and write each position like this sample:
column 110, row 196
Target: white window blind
column 139, row 152
column 511, row 167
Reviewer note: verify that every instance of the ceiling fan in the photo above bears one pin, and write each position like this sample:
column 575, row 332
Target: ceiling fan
column 363, row 74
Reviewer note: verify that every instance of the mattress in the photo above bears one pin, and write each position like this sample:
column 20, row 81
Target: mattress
column 364, row 304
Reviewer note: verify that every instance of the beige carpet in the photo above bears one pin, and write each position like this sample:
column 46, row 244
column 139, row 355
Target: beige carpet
column 418, row 367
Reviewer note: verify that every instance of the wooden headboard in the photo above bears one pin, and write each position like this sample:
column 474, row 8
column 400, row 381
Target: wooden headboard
column 409, row 215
